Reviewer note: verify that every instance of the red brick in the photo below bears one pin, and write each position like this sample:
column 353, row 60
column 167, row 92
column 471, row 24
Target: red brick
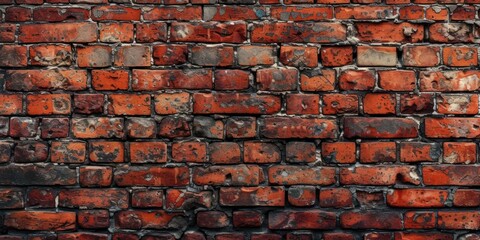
column 419, row 220
column 417, row 198
column 11, row 199
column 356, row 80
column 469, row 220
column 294, row 13
column 453, row 175
column 300, row 152
column 450, row 32
column 107, row 152
column 252, row 196
column 423, row 236
column 148, row 152
column 115, row 12
column 210, row 103
column 57, row 14
column 210, row 32
column 421, row 56
column 185, row 199
column 81, row 32
column 147, row 198
column 13, row 56
column 459, row 152
column 18, row 14
column 339, row 152
column 295, row 127
column 151, row 176
column 97, row 127
column 151, row 32
column 88, row 103
column 334, row 56
column 96, row 176
column 277, row 79
column 7, row 32
column 413, row 12
column 369, row 220
column 129, row 104
column 48, row 104
column 154, row 80
column 55, row 127
column 379, row 175
column 231, row 79
column 233, row 13
column 416, row 104
column 51, row 55
column 466, row 198
column 180, row 13
column 365, row 12
column 456, row 56
column 419, row 152
column 224, row 152
column 378, row 152
column 113, row 32
column 171, row 103
column 314, row 80
column 156, row 219
column 451, row 127
column 238, row 175
column 40, row 220
column 23, row 127
column 261, row 153
column 397, row 80
column 11, row 104
column 318, row 32
column 44, row 80
column 189, row 152
column 110, row 79
column 301, row 104
column 212, row 219
column 212, row 56
column 376, row 56
column 302, row 195
column 169, row 54
column 241, row 127
column 379, row 103
column 299, row 56
column 361, row 127
column 336, row 198
column 293, row 220
column 449, row 81
column 93, row 219
column 295, row 175
column 389, row 32
column 245, row 218
column 133, row 56
column 94, row 56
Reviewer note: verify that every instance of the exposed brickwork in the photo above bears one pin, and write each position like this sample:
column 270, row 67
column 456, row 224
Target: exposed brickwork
column 239, row 119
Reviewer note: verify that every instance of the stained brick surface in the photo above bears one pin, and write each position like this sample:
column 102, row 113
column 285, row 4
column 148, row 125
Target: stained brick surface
column 239, row 119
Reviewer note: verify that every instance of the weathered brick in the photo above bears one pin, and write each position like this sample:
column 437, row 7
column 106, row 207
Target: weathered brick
column 295, row 175
column 151, row 176
column 295, row 127
column 81, row 32
column 252, row 196
column 45, row 80
column 227, row 103
column 318, row 32
column 293, row 220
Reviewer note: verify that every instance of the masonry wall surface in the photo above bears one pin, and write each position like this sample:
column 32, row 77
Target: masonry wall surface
column 239, row 119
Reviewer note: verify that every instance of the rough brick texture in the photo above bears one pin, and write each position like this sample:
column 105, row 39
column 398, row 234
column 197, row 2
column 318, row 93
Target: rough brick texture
column 239, row 119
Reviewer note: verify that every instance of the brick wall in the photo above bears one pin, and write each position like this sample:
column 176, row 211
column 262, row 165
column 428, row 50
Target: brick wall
column 239, row 119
